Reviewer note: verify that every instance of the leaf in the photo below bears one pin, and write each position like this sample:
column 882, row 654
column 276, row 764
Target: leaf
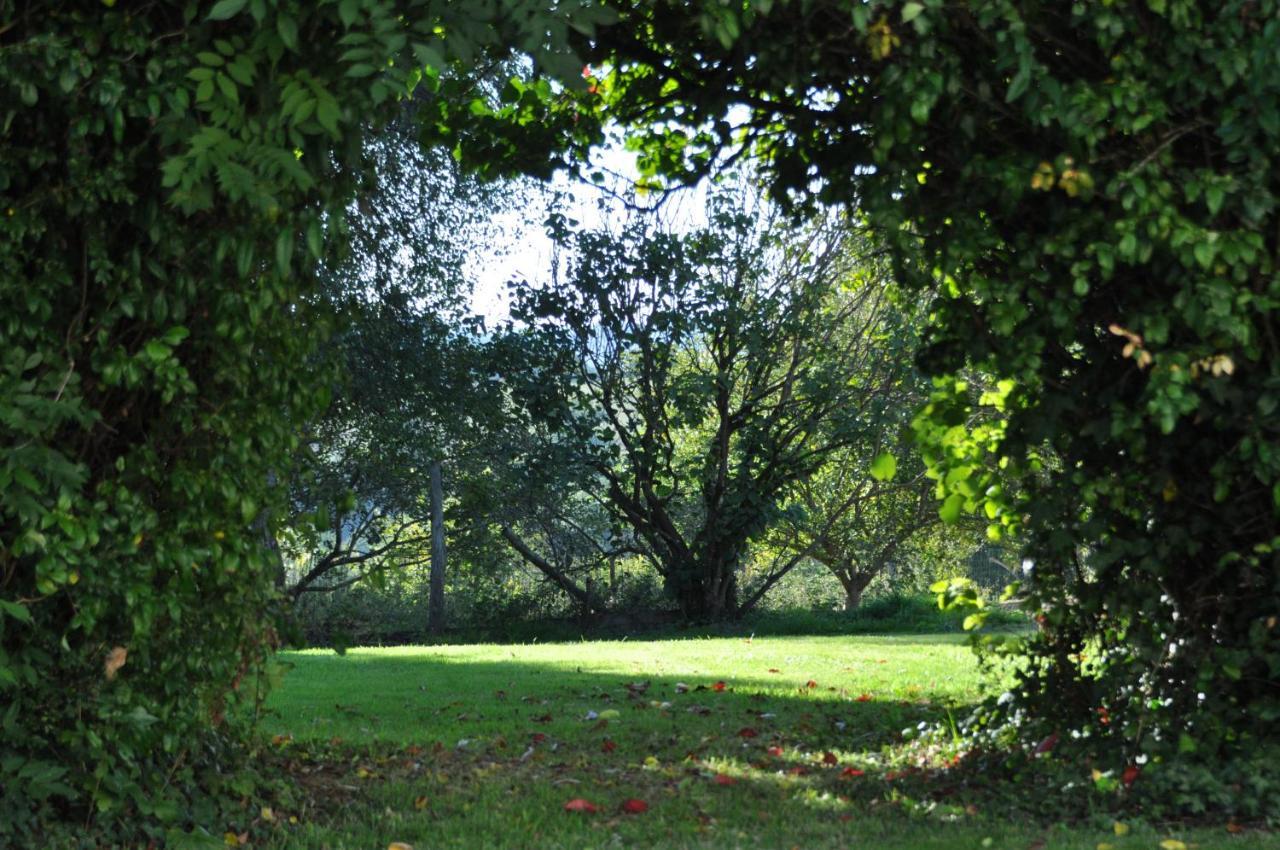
column 723, row 779
column 864, row 698
column 15, row 610
column 829, row 758
column 718, row 687
column 287, row 29
column 852, row 772
column 911, row 11
column 633, row 806
column 950, row 510
column 1172, row 844
column 224, row 9
column 747, row 732
column 399, row 845
column 577, row 804
column 884, row 467
column 114, row 661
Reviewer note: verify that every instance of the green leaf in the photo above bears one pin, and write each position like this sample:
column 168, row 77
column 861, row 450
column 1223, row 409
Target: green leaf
column 287, row 28
column 15, row 610
column 284, row 251
column 911, row 11
column 951, row 508
column 224, row 9
column 884, row 467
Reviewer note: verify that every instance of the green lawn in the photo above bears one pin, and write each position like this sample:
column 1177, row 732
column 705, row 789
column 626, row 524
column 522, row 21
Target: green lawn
column 771, row 742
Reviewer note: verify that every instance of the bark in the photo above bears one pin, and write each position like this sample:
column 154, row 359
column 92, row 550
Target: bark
column 562, row 581
column 435, row 601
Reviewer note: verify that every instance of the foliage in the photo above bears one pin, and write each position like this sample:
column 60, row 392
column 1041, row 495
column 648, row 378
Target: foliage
column 1090, row 187
column 708, row 372
column 171, row 179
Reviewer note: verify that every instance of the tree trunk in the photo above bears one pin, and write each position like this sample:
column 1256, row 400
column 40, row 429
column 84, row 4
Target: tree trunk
column 435, row 603
column 854, row 584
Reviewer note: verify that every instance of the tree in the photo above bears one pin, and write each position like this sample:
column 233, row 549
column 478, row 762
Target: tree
column 172, row 181
column 1092, row 188
column 709, row 372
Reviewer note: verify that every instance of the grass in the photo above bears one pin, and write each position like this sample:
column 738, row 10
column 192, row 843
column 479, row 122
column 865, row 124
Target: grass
column 483, row 745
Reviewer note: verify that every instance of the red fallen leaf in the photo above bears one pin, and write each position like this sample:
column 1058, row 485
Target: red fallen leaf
column 894, row 774
column 775, row 751
column 545, row 718
column 608, row 746
column 722, row 779
column 864, row 698
column 852, row 772
column 717, row 687
column 797, row 771
column 829, row 758
column 634, row 806
column 747, row 732
column 811, row 684
column 413, row 750
column 774, row 670
column 1047, row 744
column 577, row 804
column 538, row 737
column 1130, row 774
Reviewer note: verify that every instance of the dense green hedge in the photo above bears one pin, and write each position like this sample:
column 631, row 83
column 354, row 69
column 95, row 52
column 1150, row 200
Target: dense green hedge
column 1090, row 188
column 171, row 177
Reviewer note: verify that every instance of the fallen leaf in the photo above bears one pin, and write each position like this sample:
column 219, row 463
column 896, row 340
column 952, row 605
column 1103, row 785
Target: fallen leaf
column 577, row 804
column 723, row 779
column 747, row 732
column 1102, row 845
column 774, row 670
column 267, row 814
column 651, row 761
column 1047, row 744
column 610, row 714
column 1130, row 774
column 864, row 698
column 851, row 772
column 717, row 687
column 634, row 806
column 1172, row 844
column 608, row 746
column 538, row 737
column 545, row 718
column 115, row 660
column 1234, row 828
column 774, row 751
column 1120, row 828
column 399, row 845
column 811, row 684
column 829, row 758
column 420, row 803
column 797, row 771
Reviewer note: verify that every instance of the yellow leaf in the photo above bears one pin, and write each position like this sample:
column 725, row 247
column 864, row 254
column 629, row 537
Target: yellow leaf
column 1105, row 846
column 420, row 803
column 650, row 761
column 1120, row 828
column 231, row 839
column 115, row 660
column 399, row 845
column 267, row 814
column 1172, row 844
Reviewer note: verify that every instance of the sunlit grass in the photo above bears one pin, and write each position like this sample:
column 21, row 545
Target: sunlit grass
column 731, row 742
